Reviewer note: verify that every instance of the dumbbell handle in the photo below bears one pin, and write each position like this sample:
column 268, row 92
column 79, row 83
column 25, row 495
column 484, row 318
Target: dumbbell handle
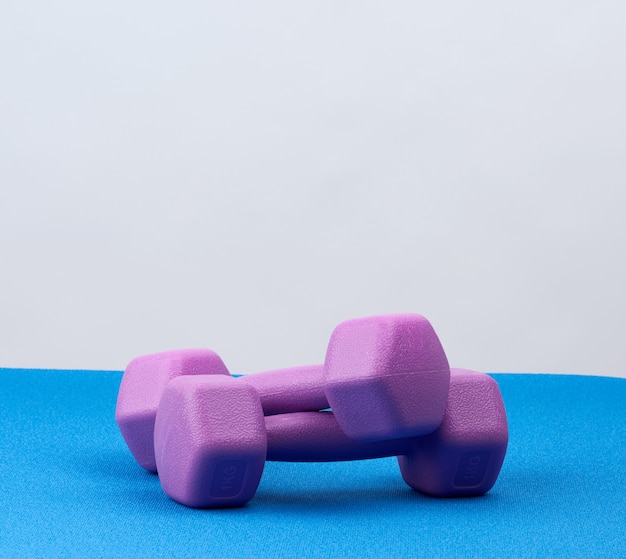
column 317, row 437
column 290, row 390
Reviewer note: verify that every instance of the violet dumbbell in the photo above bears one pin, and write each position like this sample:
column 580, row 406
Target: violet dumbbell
column 384, row 377
column 212, row 441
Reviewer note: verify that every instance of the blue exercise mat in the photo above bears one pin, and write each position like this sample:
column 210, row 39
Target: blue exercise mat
column 70, row 488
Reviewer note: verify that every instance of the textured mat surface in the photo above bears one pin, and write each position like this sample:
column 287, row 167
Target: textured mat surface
column 70, row 488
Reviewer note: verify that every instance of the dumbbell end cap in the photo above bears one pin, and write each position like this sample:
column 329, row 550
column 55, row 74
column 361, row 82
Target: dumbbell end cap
column 210, row 441
column 463, row 457
column 387, row 377
column 141, row 388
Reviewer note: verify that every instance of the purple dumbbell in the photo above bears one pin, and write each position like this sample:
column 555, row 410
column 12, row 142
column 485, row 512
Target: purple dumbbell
column 212, row 440
column 384, row 377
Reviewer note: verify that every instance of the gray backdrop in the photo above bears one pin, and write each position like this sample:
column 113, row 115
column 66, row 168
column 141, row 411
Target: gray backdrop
column 243, row 176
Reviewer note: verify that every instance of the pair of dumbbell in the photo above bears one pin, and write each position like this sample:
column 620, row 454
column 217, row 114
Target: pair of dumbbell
column 386, row 379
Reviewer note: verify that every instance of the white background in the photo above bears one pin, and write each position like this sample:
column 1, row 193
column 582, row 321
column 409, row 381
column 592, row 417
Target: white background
column 243, row 176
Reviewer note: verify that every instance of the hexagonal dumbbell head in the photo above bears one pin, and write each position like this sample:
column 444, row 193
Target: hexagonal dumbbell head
column 464, row 455
column 210, row 441
column 387, row 377
column 141, row 389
